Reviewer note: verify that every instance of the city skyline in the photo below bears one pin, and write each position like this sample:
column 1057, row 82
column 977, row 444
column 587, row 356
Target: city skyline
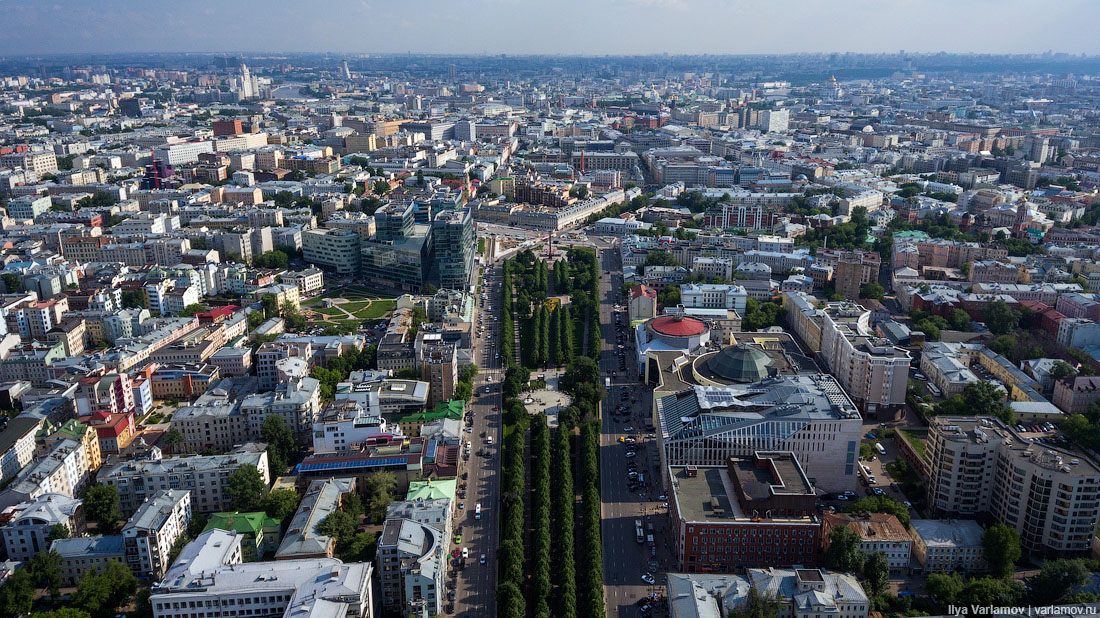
column 611, row 27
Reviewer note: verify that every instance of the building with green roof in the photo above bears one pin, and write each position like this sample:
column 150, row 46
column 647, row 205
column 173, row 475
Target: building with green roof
column 410, row 424
column 432, row 490
column 261, row 533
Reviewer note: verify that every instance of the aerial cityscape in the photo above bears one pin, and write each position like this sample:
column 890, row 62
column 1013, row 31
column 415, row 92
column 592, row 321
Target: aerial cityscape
column 627, row 328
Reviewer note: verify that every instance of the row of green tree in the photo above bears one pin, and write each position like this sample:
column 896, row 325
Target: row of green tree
column 591, row 548
column 540, row 547
column 549, row 337
column 507, row 321
column 511, row 553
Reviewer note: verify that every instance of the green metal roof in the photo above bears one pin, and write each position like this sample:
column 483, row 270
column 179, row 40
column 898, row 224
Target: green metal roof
column 244, row 523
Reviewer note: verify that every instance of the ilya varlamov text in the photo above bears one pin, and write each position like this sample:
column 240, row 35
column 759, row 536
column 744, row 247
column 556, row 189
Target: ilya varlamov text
column 1020, row 610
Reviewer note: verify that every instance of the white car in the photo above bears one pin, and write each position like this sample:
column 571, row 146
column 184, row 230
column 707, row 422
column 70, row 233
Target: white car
column 647, row 578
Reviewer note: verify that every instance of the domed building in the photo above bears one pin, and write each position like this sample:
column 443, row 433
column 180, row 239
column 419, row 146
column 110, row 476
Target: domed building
column 671, row 332
column 678, row 332
column 742, row 363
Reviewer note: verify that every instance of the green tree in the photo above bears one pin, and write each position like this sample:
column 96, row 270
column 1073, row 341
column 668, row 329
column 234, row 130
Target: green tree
column 378, row 490
column 17, row 593
column 276, row 259
column 756, row 606
column 101, row 505
column 1058, row 579
column 554, row 338
column 358, row 548
column 1062, row 370
column 880, row 504
column 100, row 594
column 134, row 299
column 876, row 572
column 270, row 305
column 872, row 290
column 843, row 553
column 510, row 555
column 1000, row 318
column 45, row 567
column 510, row 601
column 245, row 488
column 338, row 524
column 64, row 612
column 12, row 283
column 407, row 373
column 944, row 588
column 281, row 504
column 192, row 309
column 281, row 448
column 986, row 399
column 58, row 531
column 1001, row 544
column 464, row 391
column 295, row 321
column 173, row 438
column 990, row 591
column 352, row 504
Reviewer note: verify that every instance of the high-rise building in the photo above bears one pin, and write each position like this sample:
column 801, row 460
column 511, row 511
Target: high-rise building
column 454, row 243
column 247, row 90
column 873, row 371
column 393, row 222
column 979, row 465
column 848, row 274
column 154, row 528
column 336, row 250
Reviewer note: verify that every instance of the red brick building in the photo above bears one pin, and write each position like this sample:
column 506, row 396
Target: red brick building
column 758, row 511
column 1047, row 318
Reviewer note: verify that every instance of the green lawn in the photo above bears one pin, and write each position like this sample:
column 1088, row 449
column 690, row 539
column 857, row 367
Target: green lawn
column 354, row 306
column 377, row 309
column 329, row 311
column 917, row 439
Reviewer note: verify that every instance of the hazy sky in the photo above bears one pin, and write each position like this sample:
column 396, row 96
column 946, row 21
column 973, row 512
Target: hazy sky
column 539, row 26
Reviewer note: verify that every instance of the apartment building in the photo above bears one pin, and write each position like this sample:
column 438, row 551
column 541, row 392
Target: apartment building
column 71, row 429
column 1074, row 395
column 302, row 539
column 992, row 271
column 412, row 562
column 878, row 532
column 210, row 573
column 213, row 423
column 37, row 161
column 336, row 250
column 62, row 470
column 948, row 545
column 25, row 527
column 297, row 401
column 915, row 249
column 714, row 296
column 28, row 207
column 87, row 554
column 873, row 372
column 17, row 446
column 757, row 511
column 980, row 465
column 309, row 281
column 204, row 475
column 852, row 268
column 801, row 593
column 150, row 533
column 438, row 361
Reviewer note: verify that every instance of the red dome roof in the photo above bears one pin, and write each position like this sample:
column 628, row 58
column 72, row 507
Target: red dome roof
column 677, row 327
